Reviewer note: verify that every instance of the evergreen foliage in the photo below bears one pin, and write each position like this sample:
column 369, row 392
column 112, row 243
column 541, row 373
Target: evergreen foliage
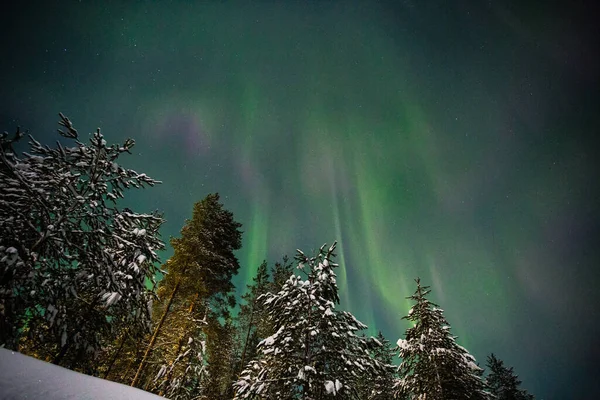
column 252, row 319
column 253, row 323
column 381, row 388
column 73, row 265
column 195, row 292
column 221, row 359
column 182, row 363
column 315, row 351
column 503, row 382
column 280, row 273
column 433, row 365
column 204, row 254
column 75, row 277
column 118, row 359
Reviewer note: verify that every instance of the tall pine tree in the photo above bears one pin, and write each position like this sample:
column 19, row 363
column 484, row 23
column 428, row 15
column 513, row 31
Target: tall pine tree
column 433, row 365
column 221, row 357
column 197, row 283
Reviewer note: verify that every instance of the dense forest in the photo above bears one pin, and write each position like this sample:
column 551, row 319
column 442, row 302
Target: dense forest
column 82, row 286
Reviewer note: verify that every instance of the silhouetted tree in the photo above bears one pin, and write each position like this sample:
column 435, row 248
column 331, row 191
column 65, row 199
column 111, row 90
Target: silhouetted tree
column 503, row 382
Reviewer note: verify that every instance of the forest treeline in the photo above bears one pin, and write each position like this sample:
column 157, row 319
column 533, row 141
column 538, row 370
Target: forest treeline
column 79, row 288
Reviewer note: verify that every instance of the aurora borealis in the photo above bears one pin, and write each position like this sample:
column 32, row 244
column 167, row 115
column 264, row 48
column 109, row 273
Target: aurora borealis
column 451, row 142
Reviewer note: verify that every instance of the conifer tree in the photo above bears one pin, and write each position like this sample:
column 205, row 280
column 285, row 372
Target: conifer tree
column 179, row 352
column 197, row 282
column 382, row 385
column 117, row 358
column 252, row 318
column 433, row 365
column 280, row 273
column 315, row 351
column 73, row 265
column 221, row 360
column 503, row 382
column 379, row 387
column 183, row 377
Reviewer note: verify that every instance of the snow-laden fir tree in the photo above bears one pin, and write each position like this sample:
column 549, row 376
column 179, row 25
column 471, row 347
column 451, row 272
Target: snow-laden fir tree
column 73, row 265
column 503, row 382
column 434, row 366
column 381, row 388
column 315, row 352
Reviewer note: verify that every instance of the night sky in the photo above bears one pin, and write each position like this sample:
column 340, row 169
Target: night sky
column 454, row 141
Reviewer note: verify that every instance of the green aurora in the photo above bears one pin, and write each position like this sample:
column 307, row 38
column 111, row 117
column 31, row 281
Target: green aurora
column 445, row 142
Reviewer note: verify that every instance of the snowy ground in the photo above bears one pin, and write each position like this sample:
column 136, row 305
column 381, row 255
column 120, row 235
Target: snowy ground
column 23, row 377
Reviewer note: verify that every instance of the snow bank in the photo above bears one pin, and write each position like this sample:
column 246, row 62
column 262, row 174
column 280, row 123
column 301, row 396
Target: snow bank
column 24, row 377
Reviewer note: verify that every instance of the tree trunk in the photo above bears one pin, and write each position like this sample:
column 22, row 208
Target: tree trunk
column 63, row 350
column 149, row 380
column 169, row 376
column 155, row 335
column 133, row 360
column 117, row 353
column 250, row 323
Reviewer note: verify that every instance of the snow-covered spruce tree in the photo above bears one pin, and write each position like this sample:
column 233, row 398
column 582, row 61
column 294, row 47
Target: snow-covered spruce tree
column 381, row 388
column 315, row 352
column 73, row 265
column 503, row 382
column 434, row 366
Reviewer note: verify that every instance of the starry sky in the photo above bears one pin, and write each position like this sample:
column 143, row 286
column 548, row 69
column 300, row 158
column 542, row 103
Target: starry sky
column 454, row 141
